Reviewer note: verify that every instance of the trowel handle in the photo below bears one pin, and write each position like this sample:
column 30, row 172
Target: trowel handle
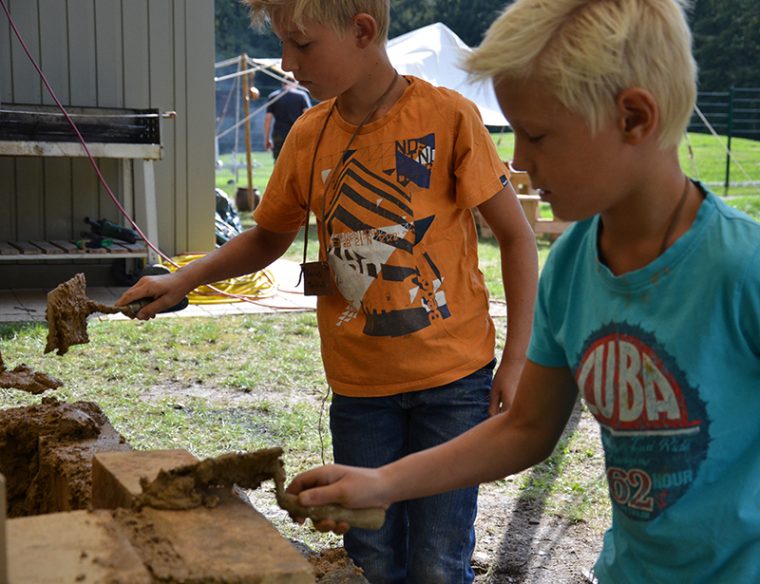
column 133, row 308
column 371, row 518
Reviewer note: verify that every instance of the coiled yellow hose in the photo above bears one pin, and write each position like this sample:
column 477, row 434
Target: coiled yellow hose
column 254, row 286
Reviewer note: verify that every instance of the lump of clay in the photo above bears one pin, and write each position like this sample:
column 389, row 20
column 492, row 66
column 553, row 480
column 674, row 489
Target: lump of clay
column 67, row 310
column 26, row 379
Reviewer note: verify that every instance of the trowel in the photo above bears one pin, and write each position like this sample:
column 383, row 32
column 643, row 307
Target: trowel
column 192, row 485
column 68, row 308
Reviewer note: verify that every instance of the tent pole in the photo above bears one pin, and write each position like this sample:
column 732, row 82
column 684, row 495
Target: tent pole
column 246, row 108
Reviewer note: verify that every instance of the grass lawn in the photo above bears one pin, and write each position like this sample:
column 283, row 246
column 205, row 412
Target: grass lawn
column 703, row 157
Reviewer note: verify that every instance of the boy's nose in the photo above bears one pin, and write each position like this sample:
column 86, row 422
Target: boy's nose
column 519, row 161
column 288, row 62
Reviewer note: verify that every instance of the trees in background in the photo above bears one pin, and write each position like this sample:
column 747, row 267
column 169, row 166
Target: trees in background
column 726, row 38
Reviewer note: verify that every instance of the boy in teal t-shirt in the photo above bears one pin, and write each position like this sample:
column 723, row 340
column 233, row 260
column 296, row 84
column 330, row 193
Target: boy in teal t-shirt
column 649, row 306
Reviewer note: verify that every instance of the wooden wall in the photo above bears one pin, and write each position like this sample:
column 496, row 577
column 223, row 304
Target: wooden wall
column 112, row 53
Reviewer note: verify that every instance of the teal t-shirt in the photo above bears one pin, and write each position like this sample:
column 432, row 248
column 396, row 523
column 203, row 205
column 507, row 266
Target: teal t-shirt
column 667, row 359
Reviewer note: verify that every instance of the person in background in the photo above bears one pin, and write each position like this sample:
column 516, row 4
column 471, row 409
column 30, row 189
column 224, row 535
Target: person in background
column 391, row 166
column 285, row 106
column 648, row 306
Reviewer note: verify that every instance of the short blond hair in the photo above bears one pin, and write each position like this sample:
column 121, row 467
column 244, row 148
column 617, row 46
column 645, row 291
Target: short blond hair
column 587, row 51
column 335, row 14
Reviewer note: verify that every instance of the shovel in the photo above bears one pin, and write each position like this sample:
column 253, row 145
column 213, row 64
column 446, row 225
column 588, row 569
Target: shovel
column 190, row 486
column 68, row 308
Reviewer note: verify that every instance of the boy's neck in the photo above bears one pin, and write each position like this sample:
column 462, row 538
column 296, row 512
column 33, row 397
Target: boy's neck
column 638, row 232
column 375, row 93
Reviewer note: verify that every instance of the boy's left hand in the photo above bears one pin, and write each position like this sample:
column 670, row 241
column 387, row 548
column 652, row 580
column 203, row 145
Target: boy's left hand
column 504, row 388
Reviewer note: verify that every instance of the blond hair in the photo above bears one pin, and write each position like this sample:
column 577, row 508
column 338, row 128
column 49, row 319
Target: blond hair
column 335, row 14
column 587, row 51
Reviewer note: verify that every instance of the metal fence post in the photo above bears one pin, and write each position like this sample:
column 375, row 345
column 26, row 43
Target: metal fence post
column 729, row 131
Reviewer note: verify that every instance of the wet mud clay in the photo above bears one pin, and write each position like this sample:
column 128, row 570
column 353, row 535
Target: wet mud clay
column 193, row 485
column 67, row 310
column 46, row 454
column 333, row 566
column 26, row 379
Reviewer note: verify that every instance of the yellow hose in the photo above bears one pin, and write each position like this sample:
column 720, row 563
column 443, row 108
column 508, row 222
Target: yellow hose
column 250, row 287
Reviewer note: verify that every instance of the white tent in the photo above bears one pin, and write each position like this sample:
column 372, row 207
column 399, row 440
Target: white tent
column 434, row 53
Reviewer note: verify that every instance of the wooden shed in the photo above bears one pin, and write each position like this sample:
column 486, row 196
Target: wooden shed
column 110, row 55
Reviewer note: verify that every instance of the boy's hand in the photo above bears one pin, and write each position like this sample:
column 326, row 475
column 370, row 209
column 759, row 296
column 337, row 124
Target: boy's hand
column 504, row 388
column 165, row 290
column 350, row 487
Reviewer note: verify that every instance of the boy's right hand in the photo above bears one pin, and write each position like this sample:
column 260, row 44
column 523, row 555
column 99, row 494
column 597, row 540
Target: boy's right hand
column 166, row 291
column 347, row 486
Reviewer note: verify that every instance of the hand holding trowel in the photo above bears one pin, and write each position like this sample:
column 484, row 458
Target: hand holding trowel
column 68, row 308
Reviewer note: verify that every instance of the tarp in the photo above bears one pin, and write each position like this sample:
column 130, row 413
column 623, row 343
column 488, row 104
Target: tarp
column 434, row 53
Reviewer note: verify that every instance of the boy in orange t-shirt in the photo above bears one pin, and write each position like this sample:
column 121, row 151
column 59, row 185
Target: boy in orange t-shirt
column 391, row 167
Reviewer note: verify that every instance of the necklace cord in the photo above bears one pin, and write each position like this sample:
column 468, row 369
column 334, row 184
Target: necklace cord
column 674, row 219
column 328, row 183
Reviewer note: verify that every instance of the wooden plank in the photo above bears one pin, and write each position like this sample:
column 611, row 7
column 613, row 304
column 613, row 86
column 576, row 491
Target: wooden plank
column 27, row 87
column 138, row 247
column 81, row 42
column 108, row 44
column 7, row 249
column 169, row 215
column 6, row 79
column 200, row 90
column 48, row 247
column 25, row 247
column 75, row 149
column 54, row 49
column 65, row 245
column 136, row 54
column 7, row 197
column 551, row 227
column 57, row 198
column 177, row 135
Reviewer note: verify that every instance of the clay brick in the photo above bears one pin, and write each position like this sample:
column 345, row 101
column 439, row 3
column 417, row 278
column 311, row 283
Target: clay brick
column 3, row 553
column 78, row 546
column 231, row 542
column 116, row 475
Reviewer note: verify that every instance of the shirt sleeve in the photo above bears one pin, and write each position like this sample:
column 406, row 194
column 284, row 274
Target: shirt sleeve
column 479, row 171
column 283, row 206
column 544, row 348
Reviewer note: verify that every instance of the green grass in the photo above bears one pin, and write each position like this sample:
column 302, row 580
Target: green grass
column 702, row 156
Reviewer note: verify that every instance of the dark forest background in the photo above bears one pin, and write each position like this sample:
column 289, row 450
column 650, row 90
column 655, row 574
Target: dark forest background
column 726, row 33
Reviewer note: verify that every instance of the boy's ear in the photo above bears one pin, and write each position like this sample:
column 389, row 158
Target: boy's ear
column 364, row 29
column 638, row 114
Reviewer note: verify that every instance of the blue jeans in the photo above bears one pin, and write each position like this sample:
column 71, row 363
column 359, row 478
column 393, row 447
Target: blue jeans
column 423, row 541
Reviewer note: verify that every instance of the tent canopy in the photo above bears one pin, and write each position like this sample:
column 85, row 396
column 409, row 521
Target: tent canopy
column 434, row 53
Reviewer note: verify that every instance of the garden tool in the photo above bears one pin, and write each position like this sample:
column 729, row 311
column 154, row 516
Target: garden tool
column 68, row 308
column 193, row 485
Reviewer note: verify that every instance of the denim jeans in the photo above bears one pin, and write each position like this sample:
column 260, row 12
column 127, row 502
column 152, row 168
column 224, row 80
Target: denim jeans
column 423, row 541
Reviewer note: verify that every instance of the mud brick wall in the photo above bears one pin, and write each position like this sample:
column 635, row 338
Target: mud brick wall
column 46, row 454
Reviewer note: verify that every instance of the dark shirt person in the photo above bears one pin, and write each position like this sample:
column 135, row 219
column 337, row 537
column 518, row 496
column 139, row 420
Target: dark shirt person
column 285, row 106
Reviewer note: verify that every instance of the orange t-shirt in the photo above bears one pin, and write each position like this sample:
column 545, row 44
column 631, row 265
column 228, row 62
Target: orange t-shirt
column 412, row 312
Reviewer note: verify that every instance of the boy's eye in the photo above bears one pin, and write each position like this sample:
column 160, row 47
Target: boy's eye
column 535, row 139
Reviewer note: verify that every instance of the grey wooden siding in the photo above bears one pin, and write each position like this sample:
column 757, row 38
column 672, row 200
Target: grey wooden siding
column 113, row 53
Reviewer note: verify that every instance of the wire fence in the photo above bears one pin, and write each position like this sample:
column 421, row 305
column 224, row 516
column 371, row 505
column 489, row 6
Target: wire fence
column 732, row 114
